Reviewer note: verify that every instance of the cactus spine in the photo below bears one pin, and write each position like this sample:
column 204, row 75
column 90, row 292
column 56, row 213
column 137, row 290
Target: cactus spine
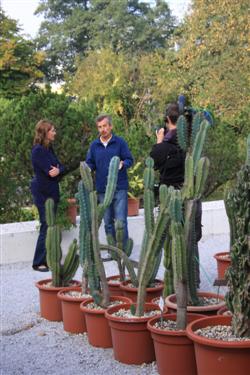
column 238, row 276
column 61, row 274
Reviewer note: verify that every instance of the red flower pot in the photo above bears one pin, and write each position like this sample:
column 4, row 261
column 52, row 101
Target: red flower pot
column 73, row 318
column 72, row 210
column 151, row 293
column 174, row 351
column 114, row 288
column 50, row 305
column 133, row 206
column 205, row 310
column 223, row 262
column 98, row 329
column 132, row 342
column 217, row 356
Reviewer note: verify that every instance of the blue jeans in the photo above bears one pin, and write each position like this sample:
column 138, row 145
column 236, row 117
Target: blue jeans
column 118, row 210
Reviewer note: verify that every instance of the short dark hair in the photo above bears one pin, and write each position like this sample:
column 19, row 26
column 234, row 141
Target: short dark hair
column 172, row 111
column 102, row 117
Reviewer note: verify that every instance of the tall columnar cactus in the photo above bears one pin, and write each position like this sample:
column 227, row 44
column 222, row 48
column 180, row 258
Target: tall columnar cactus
column 238, row 276
column 61, row 273
column 182, row 244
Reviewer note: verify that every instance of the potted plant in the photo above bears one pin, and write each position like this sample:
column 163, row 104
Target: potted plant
column 209, row 334
column 94, row 277
column 135, row 189
column 62, row 274
column 182, row 273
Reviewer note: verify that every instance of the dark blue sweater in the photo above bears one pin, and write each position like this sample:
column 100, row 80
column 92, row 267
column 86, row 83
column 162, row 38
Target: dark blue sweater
column 42, row 185
column 98, row 159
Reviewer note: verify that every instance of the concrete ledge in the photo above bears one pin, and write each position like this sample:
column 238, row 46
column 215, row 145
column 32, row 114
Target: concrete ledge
column 18, row 240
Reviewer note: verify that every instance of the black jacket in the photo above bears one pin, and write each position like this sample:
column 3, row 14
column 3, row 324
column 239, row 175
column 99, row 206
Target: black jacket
column 169, row 159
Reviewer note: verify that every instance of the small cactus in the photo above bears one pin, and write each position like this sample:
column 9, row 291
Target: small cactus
column 62, row 274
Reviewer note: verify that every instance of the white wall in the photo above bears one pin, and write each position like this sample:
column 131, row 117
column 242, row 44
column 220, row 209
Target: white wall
column 18, row 240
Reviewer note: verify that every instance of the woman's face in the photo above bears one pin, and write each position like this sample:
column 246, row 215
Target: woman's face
column 51, row 134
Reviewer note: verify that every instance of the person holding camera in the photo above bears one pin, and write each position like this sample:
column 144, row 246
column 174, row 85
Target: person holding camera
column 168, row 157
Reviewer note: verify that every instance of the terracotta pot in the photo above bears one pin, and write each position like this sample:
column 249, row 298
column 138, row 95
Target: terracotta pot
column 114, row 288
column 150, row 292
column 73, row 318
column 132, row 342
column 223, row 262
column 72, row 210
column 217, row 356
column 224, row 311
column 174, row 351
column 50, row 305
column 133, row 206
column 204, row 310
column 98, row 329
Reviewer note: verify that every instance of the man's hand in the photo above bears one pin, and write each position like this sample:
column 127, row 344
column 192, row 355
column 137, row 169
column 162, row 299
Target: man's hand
column 160, row 135
column 54, row 171
column 121, row 164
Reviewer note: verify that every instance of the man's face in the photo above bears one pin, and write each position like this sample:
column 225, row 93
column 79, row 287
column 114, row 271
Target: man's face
column 104, row 128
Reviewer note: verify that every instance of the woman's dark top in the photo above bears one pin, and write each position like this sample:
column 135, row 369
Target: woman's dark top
column 42, row 185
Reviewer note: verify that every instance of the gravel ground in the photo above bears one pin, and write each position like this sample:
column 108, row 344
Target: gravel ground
column 32, row 345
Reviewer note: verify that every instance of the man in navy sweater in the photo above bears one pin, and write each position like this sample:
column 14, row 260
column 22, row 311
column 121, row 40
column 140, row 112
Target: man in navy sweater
column 98, row 158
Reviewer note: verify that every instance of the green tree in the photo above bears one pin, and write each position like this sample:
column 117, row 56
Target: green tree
column 74, row 27
column 74, row 125
column 20, row 63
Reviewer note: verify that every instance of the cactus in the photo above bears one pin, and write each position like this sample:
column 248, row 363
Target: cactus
column 237, row 204
column 62, row 274
column 181, row 249
column 91, row 215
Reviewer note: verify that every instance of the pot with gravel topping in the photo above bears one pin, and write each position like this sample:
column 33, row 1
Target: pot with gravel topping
column 171, row 344
column 132, row 342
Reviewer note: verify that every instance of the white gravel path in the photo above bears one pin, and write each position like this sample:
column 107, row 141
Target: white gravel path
column 32, row 345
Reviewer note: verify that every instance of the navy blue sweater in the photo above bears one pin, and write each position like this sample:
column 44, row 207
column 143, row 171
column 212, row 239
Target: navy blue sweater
column 42, row 185
column 98, row 159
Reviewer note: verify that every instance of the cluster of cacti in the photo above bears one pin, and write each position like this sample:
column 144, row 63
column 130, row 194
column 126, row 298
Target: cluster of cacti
column 181, row 249
column 62, row 274
column 238, row 275
column 91, row 214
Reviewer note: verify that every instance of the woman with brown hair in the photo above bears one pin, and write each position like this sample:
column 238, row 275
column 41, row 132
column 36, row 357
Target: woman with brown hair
column 44, row 184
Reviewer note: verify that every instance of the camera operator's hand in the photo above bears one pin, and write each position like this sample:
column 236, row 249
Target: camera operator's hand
column 160, row 135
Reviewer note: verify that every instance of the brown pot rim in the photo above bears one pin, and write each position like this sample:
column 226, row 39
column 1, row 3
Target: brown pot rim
column 148, row 306
column 212, row 321
column 64, row 297
column 85, row 309
column 124, row 286
column 171, row 304
column 218, row 256
column 40, row 285
column 166, row 332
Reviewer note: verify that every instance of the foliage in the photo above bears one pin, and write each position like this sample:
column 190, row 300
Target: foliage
column 237, row 203
column 74, row 125
column 72, row 29
column 20, row 62
column 62, row 274
column 135, row 181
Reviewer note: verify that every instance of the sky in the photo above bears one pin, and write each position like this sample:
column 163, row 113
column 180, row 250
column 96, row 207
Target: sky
column 23, row 11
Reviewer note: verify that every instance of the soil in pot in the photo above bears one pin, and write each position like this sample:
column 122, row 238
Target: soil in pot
column 223, row 262
column 210, row 303
column 131, row 292
column 173, row 349
column 73, row 318
column 50, row 305
column 98, row 329
column 215, row 356
column 132, row 342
